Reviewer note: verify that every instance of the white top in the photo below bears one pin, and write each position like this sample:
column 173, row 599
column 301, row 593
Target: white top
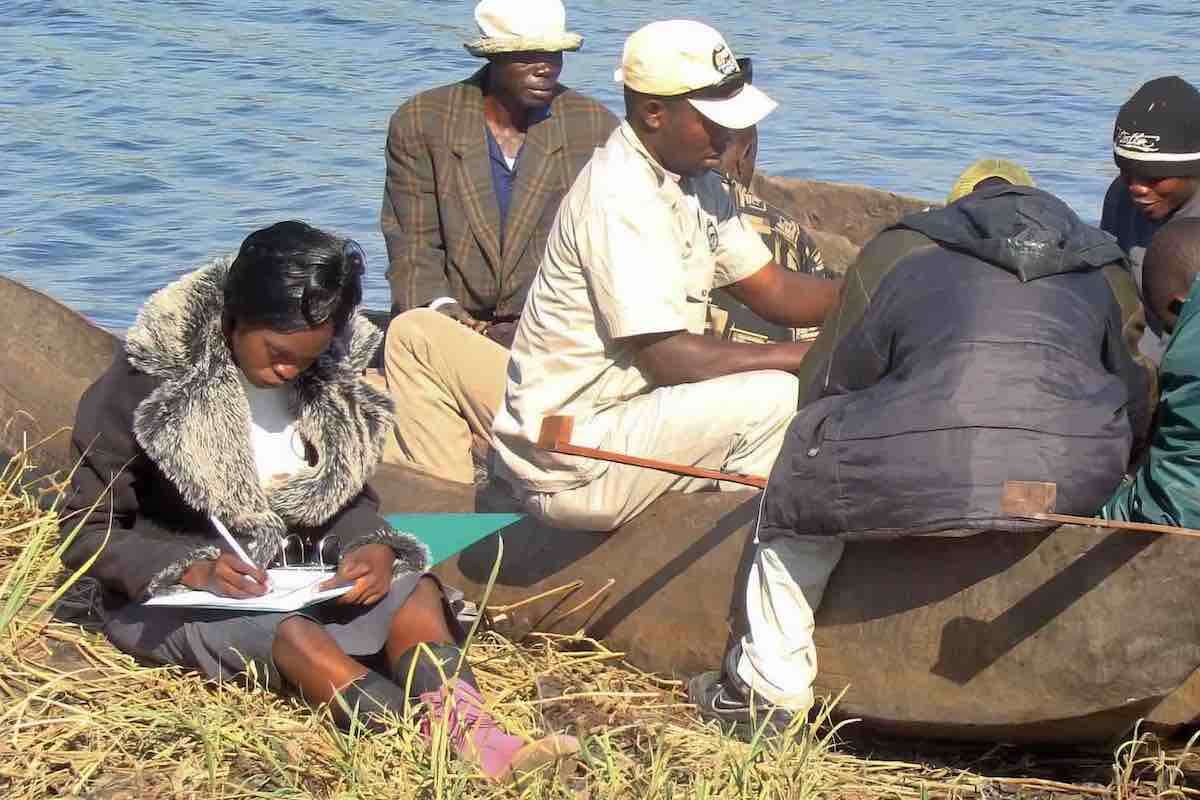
column 276, row 444
column 633, row 251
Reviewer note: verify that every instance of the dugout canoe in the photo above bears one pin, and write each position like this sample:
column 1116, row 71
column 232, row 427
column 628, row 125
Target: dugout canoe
column 1071, row 635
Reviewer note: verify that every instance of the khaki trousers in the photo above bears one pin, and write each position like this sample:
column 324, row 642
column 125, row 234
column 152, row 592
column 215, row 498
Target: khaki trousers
column 735, row 423
column 447, row 382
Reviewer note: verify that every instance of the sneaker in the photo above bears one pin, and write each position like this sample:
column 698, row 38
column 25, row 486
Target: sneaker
column 718, row 699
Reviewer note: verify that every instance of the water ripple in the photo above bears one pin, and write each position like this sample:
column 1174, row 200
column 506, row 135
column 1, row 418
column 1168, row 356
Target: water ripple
column 145, row 136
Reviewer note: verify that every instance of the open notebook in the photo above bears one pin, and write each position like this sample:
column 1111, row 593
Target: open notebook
column 291, row 589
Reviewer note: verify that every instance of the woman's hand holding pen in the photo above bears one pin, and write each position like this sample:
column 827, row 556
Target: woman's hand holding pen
column 369, row 568
column 227, row 576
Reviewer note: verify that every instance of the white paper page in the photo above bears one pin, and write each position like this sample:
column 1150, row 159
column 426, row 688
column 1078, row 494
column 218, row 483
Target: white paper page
column 291, row 589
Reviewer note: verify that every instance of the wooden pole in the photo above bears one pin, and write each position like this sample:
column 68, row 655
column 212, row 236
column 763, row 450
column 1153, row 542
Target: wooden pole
column 555, row 436
column 1034, row 500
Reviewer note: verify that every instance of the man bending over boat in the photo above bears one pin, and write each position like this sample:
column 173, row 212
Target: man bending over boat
column 1166, row 487
column 611, row 333
column 989, row 348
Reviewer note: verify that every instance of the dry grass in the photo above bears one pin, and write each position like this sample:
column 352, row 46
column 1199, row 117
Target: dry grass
column 80, row 719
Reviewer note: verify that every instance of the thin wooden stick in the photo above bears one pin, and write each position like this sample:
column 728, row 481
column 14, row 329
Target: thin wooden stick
column 555, row 436
column 1034, row 500
column 1113, row 524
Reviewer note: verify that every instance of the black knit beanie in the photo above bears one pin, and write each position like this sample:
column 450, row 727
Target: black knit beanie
column 1157, row 134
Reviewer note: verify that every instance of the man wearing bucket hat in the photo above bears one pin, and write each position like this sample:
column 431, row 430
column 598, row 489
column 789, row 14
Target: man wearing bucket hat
column 1156, row 144
column 475, row 169
column 475, row 173
column 611, row 331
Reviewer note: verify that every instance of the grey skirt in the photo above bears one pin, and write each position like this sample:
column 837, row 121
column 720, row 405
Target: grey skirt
column 224, row 645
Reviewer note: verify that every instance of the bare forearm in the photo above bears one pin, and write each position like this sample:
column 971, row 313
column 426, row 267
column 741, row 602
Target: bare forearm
column 788, row 298
column 806, row 300
column 688, row 358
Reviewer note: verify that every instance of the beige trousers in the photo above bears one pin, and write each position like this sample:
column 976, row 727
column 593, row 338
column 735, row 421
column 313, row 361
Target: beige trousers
column 778, row 659
column 447, row 382
column 735, row 423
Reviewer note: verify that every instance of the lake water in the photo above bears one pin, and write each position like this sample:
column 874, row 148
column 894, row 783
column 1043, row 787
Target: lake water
column 141, row 137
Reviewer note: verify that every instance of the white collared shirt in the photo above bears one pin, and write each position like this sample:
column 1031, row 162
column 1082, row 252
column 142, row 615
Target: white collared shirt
column 632, row 252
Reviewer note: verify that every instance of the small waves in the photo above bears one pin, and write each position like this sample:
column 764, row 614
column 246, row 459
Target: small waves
column 142, row 137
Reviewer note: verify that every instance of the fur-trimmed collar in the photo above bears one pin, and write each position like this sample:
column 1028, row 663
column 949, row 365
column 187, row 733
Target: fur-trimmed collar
column 195, row 425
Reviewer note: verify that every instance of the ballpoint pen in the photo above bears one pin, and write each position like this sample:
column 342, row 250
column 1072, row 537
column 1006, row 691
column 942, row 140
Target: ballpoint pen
column 233, row 544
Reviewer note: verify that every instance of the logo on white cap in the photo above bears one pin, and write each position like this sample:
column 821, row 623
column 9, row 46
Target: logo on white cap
column 723, row 60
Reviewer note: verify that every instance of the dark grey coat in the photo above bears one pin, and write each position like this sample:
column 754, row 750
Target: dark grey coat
column 995, row 354
column 163, row 441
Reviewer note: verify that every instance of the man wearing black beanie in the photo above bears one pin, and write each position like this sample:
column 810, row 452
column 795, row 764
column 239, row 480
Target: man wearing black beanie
column 1156, row 144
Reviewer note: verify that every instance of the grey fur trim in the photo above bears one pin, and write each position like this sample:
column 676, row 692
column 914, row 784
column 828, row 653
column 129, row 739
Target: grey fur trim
column 411, row 553
column 195, row 425
column 165, row 582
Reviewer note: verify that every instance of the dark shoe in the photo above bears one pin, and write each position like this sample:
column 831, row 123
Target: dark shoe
column 719, row 699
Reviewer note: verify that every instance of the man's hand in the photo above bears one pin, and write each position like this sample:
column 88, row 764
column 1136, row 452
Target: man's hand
column 369, row 568
column 502, row 333
column 227, row 576
column 455, row 311
column 677, row 357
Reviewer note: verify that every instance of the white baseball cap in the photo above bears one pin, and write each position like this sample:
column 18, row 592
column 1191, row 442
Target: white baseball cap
column 680, row 56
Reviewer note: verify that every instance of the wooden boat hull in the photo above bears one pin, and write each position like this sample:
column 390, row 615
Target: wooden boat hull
column 1071, row 635
column 49, row 355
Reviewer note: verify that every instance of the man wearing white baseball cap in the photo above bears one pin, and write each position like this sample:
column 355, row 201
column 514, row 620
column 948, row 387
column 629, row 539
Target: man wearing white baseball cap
column 612, row 328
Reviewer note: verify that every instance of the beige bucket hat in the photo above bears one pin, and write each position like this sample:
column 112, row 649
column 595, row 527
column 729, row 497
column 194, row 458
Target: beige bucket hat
column 522, row 26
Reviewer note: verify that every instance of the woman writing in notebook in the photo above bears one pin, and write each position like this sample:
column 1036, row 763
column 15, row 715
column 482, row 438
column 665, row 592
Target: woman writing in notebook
column 237, row 398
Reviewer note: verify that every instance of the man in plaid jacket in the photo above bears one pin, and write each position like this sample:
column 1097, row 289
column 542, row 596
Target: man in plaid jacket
column 476, row 169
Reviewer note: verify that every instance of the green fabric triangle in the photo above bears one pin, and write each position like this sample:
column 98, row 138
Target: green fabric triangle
column 447, row 535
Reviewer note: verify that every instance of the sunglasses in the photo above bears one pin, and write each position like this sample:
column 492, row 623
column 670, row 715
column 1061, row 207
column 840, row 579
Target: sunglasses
column 746, row 68
column 728, row 86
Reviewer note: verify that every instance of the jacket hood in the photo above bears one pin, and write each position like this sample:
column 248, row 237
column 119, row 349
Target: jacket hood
column 1021, row 229
column 191, row 423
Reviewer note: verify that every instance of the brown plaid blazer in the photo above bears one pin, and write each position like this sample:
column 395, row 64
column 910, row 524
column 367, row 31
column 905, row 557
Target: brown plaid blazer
column 440, row 218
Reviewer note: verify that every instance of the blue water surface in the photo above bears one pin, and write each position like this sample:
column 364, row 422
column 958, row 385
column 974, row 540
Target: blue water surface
column 142, row 137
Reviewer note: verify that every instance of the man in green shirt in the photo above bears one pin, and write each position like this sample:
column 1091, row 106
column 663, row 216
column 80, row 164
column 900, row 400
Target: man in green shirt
column 1166, row 487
